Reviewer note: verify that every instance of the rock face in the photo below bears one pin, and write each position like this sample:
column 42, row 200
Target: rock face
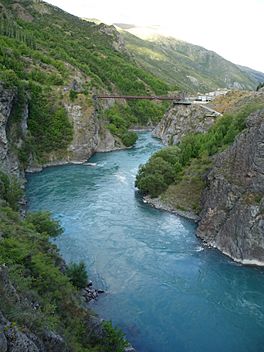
column 181, row 120
column 8, row 160
column 90, row 134
column 85, row 137
column 232, row 218
column 14, row 340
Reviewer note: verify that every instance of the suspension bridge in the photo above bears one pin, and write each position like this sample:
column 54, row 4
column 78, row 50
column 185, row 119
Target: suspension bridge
column 179, row 99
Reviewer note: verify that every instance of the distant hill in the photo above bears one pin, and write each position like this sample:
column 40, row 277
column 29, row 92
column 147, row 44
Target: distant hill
column 258, row 76
column 189, row 66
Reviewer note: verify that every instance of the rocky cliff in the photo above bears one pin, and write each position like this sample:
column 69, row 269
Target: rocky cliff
column 8, row 158
column 232, row 218
column 89, row 134
column 181, row 120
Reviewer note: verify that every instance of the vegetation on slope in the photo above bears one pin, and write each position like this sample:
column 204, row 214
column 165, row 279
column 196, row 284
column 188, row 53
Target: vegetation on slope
column 182, row 167
column 121, row 117
column 51, row 57
column 44, row 297
column 190, row 67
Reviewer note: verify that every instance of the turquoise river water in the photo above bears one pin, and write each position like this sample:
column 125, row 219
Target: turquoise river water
column 164, row 289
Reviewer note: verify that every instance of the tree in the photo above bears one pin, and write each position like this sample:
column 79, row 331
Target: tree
column 77, row 274
column 44, row 224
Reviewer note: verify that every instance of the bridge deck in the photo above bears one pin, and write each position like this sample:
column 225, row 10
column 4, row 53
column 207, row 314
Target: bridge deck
column 130, row 97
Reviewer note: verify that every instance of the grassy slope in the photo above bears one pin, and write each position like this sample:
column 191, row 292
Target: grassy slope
column 233, row 101
column 173, row 60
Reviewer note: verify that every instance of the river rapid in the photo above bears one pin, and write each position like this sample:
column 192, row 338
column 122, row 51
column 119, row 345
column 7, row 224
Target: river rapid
column 166, row 290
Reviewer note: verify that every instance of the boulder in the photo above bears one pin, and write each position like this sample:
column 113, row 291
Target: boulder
column 54, row 342
column 19, row 342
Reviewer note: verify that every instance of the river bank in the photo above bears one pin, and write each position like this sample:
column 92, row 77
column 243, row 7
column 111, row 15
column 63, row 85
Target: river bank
column 157, row 203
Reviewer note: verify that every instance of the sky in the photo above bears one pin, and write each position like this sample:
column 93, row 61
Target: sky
column 232, row 28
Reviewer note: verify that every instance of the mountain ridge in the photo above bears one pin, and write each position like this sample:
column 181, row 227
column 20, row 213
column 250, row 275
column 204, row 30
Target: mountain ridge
column 187, row 65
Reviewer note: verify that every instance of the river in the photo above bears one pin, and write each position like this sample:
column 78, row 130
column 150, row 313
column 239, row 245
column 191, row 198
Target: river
column 164, row 289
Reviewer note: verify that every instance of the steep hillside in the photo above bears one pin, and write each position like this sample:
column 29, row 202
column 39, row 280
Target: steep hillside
column 189, row 66
column 213, row 175
column 43, row 303
column 232, row 218
column 180, row 120
column 55, row 63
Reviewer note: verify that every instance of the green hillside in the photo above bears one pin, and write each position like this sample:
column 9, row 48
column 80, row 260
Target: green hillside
column 189, row 66
column 54, row 57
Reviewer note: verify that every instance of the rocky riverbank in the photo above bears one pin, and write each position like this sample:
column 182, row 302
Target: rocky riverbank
column 159, row 204
column 89, row 293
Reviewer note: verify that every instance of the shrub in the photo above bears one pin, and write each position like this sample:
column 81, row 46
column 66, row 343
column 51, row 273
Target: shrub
column 10, row 190
column 154, row 177
column 44, row 224
column 129, row 138
column 9, row 78
column 115, row 338
column 48, row 123
column 73, row 95
column 153, row 185
column 77, row 274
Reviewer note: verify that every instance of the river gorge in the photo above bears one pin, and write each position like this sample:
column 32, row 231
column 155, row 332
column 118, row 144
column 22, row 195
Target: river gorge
column 165, row 289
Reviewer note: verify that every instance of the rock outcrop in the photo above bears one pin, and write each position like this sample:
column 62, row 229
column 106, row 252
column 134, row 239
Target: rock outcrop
column 8, row 159
column 90, row 134
column 232, row 218
column 181, row 120
column 14, row 340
